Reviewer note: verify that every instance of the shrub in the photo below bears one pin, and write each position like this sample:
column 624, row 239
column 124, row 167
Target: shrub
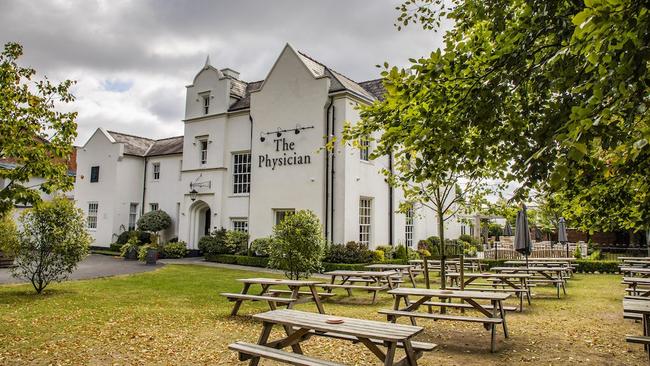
column 236, row 242
column 8, row 235
column 260, row 247
column 215, row 243
column 378, row 256
column 173, row 240
column 591, row 266
column 389, row 251
column 175, row 250
column 400, row 252
column 595, row 255
column 130, row 245
column 52, row 241
column 154, row 221
column 142, row 252
column 298, row 245
column 576, row 253
column 115, row 247
column 351, row 252
column 495, row 230
column 143, row 237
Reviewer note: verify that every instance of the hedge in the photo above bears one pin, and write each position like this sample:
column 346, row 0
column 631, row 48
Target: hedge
column 591, row 266
column 241, row 260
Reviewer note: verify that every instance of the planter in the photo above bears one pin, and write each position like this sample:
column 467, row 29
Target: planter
column 152, row 256
column 131, row 254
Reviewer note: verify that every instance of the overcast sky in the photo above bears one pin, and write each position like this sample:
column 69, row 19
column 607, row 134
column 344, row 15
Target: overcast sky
column 132, row 59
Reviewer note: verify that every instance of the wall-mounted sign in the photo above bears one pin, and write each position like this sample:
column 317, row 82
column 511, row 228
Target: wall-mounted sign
column 289, row 155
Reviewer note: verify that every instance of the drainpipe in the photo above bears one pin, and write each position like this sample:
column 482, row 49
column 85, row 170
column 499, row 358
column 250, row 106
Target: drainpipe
column 390, row 203
column 327, row 167
column 144, row 184
column 250, row 118
column 332, row 172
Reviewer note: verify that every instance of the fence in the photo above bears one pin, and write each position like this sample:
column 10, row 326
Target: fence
column 540, row 250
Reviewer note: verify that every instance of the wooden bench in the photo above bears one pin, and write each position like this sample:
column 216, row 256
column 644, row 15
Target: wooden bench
column 303, row 293
column 632, row 316
column 465, row 305
column 274, row 299
column 638, row 339
column 417, row 346
column 250, row 350
column 374, row 289
column 393, row 314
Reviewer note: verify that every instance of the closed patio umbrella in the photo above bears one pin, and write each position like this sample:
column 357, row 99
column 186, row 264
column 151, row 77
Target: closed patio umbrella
column 507, row 230
column 561, row 234
column 522, row 234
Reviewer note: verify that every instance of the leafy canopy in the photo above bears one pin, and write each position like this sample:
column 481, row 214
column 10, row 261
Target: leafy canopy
column 33, row 134
column 550, row 93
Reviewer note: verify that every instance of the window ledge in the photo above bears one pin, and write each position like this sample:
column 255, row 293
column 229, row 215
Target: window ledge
column 236, row 195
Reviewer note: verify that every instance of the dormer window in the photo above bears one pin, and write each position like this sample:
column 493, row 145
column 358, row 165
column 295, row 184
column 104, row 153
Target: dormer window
column 205, row 99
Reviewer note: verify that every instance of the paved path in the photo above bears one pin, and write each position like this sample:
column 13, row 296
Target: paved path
column 94, row 266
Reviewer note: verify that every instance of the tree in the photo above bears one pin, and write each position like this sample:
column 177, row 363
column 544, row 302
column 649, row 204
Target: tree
column 298, row 245
column 52, row 241
column 552, row 94
column 34, row 136
column 154, row 221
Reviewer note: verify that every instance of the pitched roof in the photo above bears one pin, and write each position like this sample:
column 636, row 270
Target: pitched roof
column 142, row 146
column 371, row 89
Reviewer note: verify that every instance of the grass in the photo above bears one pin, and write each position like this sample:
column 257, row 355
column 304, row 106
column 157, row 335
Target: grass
column 175, row 316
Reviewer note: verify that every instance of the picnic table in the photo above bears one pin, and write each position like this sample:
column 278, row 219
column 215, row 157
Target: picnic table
column 504, row 282
column 552, row 275
column 642, row 262
column 402, row 269
column 299, row 326
column 633, row 271
column 272, row 296
column 373, row 281
column 640, row 307
column 569, row 267
column 637, row 286
column 493, row 314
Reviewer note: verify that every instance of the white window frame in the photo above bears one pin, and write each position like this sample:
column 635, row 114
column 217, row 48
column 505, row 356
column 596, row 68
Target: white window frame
column 239, row 224
column 364, row 149
column 156, row 170
column 241, row 173
column 203, row 151
column 365, row 220
column 282, row 211
column 205, row 105
column 154, row 206
column 409, row 228
column 93, row 215
column 133, row 215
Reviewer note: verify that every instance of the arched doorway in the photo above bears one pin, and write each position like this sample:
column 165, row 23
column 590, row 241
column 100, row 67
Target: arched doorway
column 200, row 222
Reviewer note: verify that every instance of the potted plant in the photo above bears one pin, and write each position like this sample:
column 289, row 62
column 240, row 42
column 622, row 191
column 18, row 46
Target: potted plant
column 129, row 251
column 149, row 253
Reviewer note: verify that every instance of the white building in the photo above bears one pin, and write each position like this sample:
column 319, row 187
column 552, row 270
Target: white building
column 251, row 152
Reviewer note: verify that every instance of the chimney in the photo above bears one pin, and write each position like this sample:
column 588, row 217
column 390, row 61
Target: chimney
column 230, row 73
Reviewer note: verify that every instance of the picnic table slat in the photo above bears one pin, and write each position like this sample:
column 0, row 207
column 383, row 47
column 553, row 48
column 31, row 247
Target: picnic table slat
column 478, row 295
column 350, row 326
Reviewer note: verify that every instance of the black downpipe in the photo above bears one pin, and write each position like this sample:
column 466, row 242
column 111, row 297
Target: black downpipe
column 390, row 203
column 327, row 168
column 144, row 185
column 332, row 171
column 250, row 118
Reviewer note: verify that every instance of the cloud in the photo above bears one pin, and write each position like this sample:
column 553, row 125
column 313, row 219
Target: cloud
column 132, row 59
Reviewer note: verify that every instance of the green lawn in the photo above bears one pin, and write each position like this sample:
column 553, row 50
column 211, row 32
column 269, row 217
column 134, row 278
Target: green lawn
column 174, row 316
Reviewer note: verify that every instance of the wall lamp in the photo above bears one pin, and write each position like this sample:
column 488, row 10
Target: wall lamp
column 279, row 131
column 193, row 185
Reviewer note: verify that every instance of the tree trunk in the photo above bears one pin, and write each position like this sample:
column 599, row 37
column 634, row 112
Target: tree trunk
column 443, row 248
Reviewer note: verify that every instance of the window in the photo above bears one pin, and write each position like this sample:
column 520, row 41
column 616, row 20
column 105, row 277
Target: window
column 282, row 214
column 204, row 151
column 206, row 103
column 156, row 171
column 463, row 230
column 93, row 208
column 408, row 228
column 240, row 225
column 94, row 174
column 153, row 206
column 364, row 149
column 365, row 215
column 241, row 173
column 133, row 215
